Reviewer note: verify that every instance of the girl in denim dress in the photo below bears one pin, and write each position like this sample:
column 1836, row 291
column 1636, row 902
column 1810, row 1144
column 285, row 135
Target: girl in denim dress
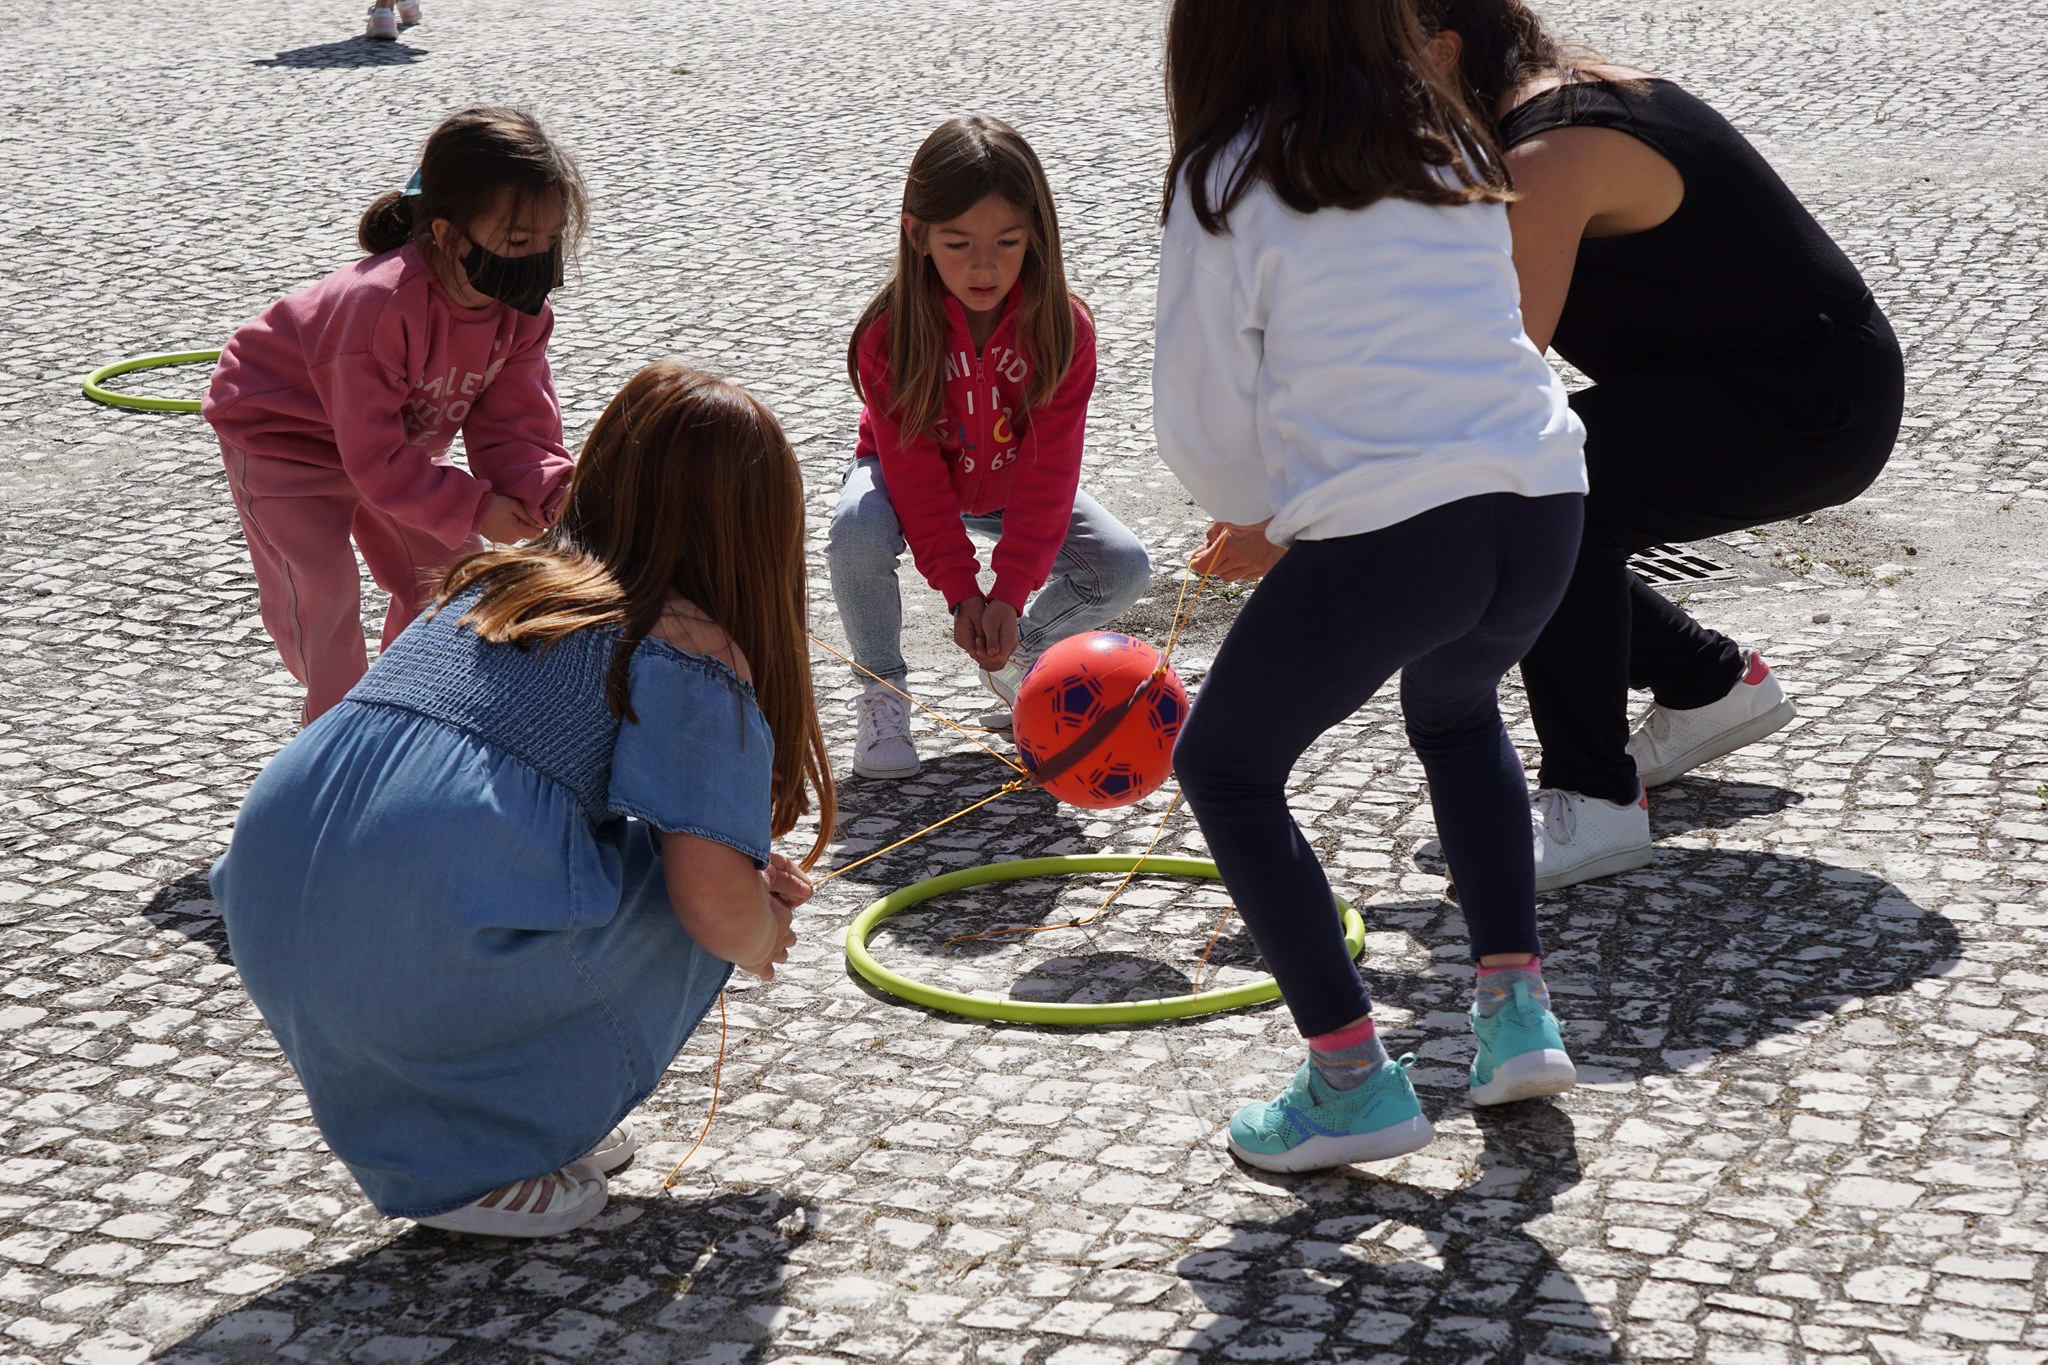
column 485, row 900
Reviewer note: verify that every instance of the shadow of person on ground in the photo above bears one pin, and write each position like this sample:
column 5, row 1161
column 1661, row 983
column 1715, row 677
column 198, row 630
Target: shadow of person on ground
column 345, row 53
column 1655, row 981
column 649, row 1279
column 1362, row 1266
column 1682, row 807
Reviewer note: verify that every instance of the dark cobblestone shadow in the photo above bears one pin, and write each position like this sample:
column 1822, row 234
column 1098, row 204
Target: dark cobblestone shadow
column 673, row 1280
column 348, row 52
column 1395, row 1270
column 1650, row 987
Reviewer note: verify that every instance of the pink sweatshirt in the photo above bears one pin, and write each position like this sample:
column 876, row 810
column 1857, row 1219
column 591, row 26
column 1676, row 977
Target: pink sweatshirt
column 374, row 369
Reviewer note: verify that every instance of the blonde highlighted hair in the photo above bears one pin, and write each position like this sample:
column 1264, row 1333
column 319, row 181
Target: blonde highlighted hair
column 687, row 488
column 964, row 161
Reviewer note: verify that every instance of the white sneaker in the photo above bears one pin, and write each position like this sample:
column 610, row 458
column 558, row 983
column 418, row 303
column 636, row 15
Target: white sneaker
column 1004, row 682
column 540, row 1206
column 408, row 13
column 383, row 24
column 1669, row 744
column 613, row 1150
column 881, row 744
column 1579, row 837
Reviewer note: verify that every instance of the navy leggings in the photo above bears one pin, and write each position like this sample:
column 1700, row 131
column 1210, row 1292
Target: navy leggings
column 1452, row 598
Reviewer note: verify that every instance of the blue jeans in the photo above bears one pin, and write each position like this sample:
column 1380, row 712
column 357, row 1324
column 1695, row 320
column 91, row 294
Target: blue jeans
column 1452, row 598
column 1101, row 569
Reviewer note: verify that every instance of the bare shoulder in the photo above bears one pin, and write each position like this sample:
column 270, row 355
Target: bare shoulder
column 684, row 625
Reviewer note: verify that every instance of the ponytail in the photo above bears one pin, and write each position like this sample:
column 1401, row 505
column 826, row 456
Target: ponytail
column 387, row 224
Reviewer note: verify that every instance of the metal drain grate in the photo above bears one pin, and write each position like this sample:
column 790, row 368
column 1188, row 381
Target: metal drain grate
column 1662, row 564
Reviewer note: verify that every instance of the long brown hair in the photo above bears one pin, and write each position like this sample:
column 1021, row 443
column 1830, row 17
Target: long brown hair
column 686, row 487
column 471, row 161
column 1504, row 46
column 963, row 162
column 1343, row 106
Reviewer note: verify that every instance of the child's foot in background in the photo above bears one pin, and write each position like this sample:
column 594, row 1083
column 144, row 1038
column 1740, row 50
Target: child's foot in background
column 383, row 23
column 1004, row 682
column 881, row 742
column 408, row 13
column 1311, row 1126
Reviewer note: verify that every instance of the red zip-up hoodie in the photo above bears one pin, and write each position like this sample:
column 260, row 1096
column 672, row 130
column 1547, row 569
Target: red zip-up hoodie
column 988, row 455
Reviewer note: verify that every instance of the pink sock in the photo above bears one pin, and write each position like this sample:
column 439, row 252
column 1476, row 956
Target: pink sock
column 1534, row 964
column 1344, row 1037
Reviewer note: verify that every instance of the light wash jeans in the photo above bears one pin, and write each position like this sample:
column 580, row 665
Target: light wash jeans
column 1101, row 569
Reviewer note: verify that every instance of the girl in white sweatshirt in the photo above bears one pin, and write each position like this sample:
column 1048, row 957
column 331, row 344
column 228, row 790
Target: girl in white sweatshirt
column 1344, row 383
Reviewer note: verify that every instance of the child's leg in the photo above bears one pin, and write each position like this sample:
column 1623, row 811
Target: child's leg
column 296, row 520
column 862, row 552
column 1450, row 700
column 406, row 562
column 1100, row 570
column 1326, row 628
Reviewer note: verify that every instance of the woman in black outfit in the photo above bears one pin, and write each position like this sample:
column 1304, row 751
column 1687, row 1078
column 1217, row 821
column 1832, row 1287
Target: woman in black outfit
column 1741, row 372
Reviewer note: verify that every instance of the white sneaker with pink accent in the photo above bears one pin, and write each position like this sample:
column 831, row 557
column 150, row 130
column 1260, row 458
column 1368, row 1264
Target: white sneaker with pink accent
column 408, row 13
column 1669, row 744
column 1579, row 837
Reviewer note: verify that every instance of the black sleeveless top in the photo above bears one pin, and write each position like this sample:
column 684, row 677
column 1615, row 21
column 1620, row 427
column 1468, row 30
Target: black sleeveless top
column 1740, row 268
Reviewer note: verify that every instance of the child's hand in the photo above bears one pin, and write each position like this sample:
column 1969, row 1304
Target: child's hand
column 1234, row 551
column 998, row 635
column 786, row 881
column 785, row 937
column 967, row 623
column 506, row 523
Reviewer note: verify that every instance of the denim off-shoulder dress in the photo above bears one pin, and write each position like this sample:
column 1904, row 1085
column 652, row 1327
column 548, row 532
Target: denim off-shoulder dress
column 446, row 898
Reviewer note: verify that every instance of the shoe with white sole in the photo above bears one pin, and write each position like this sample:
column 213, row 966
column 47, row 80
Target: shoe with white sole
column 408, row 13
column 540, row 1206
column 881, row 744
column 383, row 23
column 1668, row 744
column 1579, row 837
column 1312, row 1125
column 1004, row 682
column 613, row 1150
column 1521, row 1054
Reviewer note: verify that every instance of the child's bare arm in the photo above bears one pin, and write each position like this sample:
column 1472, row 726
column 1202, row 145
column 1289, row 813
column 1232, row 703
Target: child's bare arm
column 725, row 903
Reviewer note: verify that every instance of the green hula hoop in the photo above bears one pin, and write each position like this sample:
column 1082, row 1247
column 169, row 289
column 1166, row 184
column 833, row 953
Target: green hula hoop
column 1055, row 1012
column 94, row 391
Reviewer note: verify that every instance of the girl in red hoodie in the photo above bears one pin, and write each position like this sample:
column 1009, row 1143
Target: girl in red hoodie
column 335, row 408
column 974, row 366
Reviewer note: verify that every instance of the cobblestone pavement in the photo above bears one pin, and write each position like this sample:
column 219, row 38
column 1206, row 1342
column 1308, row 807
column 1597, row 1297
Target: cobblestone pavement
column 1812, row 1125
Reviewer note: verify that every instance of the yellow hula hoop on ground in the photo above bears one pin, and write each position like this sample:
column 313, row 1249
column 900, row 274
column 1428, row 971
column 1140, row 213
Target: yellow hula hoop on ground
column 1046, row 1011
column 99, row 394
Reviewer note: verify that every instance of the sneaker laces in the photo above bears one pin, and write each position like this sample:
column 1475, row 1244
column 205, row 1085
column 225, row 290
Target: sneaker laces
column 883, row 715
column 1658, row 722
column 1554, row 809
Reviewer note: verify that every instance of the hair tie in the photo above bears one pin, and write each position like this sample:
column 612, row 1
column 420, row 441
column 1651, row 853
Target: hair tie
column 412, row 186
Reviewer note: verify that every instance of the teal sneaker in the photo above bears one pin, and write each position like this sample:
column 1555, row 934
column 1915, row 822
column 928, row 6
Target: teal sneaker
column 1521, row 1054
column 1311, row 1126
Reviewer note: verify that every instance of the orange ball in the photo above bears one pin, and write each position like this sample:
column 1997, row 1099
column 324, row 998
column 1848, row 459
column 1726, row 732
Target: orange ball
column 1071, row 687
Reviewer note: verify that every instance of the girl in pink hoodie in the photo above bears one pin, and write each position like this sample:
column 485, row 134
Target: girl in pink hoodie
column 974, row 366
column 337, row 406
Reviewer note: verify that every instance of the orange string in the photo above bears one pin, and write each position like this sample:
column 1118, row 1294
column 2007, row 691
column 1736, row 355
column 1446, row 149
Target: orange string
column 1090, row 916
column 1209, row 948
column 922, row 707
column 716, row 1072
column 1003, row 790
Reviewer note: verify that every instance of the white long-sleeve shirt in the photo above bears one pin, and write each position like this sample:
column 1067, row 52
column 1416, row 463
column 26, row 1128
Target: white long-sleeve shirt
column 1345, row 370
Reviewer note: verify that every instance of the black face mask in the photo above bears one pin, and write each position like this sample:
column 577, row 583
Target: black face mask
column 520, row 282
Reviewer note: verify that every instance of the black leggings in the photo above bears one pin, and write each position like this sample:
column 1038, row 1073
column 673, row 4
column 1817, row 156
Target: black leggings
column 1452, row 598
column 1682, row 451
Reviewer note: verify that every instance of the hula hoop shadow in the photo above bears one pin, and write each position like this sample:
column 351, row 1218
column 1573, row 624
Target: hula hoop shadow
column 1061, row 1013
column 95, row 390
